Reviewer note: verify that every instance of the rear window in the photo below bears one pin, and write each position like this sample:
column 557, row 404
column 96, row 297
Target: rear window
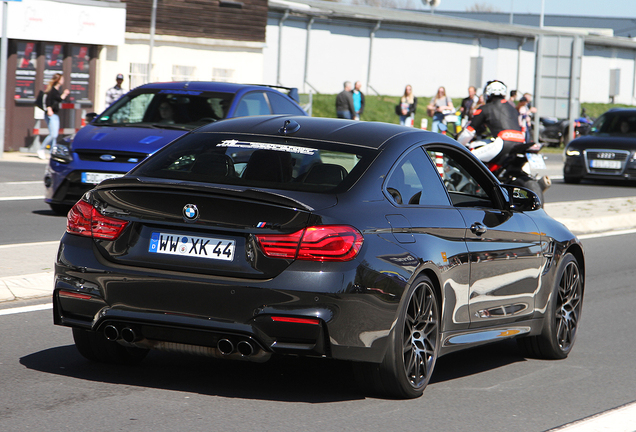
column 167, row 108
column 252, row 162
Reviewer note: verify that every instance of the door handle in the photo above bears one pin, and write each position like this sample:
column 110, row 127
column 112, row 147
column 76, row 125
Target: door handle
column 478, row 228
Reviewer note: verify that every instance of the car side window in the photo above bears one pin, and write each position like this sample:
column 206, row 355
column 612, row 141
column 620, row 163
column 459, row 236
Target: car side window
column 466, row 184
column 253, row 103
column 281, row 105
column 414, row 181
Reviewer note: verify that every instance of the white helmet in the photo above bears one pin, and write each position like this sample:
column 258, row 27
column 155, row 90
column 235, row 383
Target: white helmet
column 495, row 88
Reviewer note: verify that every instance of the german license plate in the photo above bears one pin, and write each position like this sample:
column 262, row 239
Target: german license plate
column 605, row 164
column 96, row 178
column 185, row 245
column 536, row 161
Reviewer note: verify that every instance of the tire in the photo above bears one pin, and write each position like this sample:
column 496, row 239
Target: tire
column 95, row 347
column 414, row 345
column 562, row 316
column 60, row 209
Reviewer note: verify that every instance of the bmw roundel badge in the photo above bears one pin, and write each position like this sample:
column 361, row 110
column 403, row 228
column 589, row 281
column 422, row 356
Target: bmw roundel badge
column 190, row 213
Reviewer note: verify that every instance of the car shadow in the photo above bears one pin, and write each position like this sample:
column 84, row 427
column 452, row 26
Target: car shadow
column 48, row 213
column 283, row 379
column 476, row 360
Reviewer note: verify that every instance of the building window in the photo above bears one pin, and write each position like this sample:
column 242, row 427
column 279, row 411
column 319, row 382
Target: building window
column 138, row 74
column 183, row 73
column 222, row 75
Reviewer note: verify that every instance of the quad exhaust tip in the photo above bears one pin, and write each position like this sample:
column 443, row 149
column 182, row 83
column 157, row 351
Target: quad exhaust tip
column 245, row 348
column 111, row 333
column 225, row 346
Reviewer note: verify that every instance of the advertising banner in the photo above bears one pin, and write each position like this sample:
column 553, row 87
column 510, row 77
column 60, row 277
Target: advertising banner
column 79, row 73
column 25, row 71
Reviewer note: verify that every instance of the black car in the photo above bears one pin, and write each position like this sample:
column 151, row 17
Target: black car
column 325, row 237
column 607, row 153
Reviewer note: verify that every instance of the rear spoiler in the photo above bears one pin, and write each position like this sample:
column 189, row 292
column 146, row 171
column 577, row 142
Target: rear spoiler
column 292, row 92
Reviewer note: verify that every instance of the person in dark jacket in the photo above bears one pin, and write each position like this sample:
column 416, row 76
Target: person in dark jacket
column 344, row 102
column 53, row 100
column 500, row 118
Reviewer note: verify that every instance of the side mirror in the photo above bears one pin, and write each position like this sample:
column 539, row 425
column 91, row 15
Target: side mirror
column 90, row 116
column 522, row 199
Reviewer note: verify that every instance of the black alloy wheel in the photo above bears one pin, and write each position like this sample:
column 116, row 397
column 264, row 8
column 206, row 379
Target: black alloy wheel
column 563, row 315
column 420, row 337
column 411, row 356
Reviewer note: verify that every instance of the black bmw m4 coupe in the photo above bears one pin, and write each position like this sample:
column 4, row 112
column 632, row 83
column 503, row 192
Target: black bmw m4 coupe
column 275, row 235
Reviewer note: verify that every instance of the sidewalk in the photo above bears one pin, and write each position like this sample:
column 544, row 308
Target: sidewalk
column 25, row 157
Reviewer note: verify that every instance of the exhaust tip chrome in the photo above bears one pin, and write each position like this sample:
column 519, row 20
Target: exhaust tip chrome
column 245, row 348
column 129, row 335
column 111, row 333
column 225, row 346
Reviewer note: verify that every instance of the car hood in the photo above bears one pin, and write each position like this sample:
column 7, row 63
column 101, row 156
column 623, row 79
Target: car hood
column 604, row 142
column 131, row 139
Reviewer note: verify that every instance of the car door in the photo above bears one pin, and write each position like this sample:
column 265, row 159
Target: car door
column 504, row 246
column 424, row 222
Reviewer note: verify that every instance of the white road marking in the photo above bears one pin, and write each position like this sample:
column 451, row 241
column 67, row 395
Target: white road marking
column 22, row 198
column 24, row 309
column 606, row 234
column 621, row 419
column 22, row 182
column 16, row 245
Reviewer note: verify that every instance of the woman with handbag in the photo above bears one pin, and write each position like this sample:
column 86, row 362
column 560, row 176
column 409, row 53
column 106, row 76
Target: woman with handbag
column 406, row 108
column 438, row 107
column 53, row 100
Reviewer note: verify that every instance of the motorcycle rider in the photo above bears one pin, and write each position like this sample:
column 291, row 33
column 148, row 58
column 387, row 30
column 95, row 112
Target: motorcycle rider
column 501, row 118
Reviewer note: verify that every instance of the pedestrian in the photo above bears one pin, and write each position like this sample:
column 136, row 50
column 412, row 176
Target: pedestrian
column 513, row 98
column 53, row 100
column 358, row 100
column 524, row 118
column 468, row 104
column 115, row 92
column 344, row 102
column 438, row 107
column 407, row 106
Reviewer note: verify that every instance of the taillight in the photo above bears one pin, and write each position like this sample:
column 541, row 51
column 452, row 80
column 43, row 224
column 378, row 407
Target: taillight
column 85, row 220
column 316, row 243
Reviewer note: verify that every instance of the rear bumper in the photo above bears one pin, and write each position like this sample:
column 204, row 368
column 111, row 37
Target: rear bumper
column 328, row 316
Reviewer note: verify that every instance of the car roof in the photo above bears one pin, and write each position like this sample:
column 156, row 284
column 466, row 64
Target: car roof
column 352, row 132
column 202, row 86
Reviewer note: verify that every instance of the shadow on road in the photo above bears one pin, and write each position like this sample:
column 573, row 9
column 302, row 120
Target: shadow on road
column 283, row 379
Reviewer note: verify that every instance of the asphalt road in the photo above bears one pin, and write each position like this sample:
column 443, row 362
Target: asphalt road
column 46, row 384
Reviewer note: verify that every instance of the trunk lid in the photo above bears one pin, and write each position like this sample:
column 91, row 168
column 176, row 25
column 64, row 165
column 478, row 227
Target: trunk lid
column 207, row 230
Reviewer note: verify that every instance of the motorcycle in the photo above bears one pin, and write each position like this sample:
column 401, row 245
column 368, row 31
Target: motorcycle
column 517, row 167
column 553, row 130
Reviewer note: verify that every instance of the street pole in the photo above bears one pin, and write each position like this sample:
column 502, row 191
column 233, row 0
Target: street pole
column 153, row 23
column 3, row 75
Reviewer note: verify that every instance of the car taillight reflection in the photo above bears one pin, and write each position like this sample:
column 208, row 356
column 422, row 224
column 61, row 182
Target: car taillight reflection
column 316, row 243
column 85, row 220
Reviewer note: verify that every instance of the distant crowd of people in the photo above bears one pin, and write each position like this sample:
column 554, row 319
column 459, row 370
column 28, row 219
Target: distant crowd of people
column 350, row 105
